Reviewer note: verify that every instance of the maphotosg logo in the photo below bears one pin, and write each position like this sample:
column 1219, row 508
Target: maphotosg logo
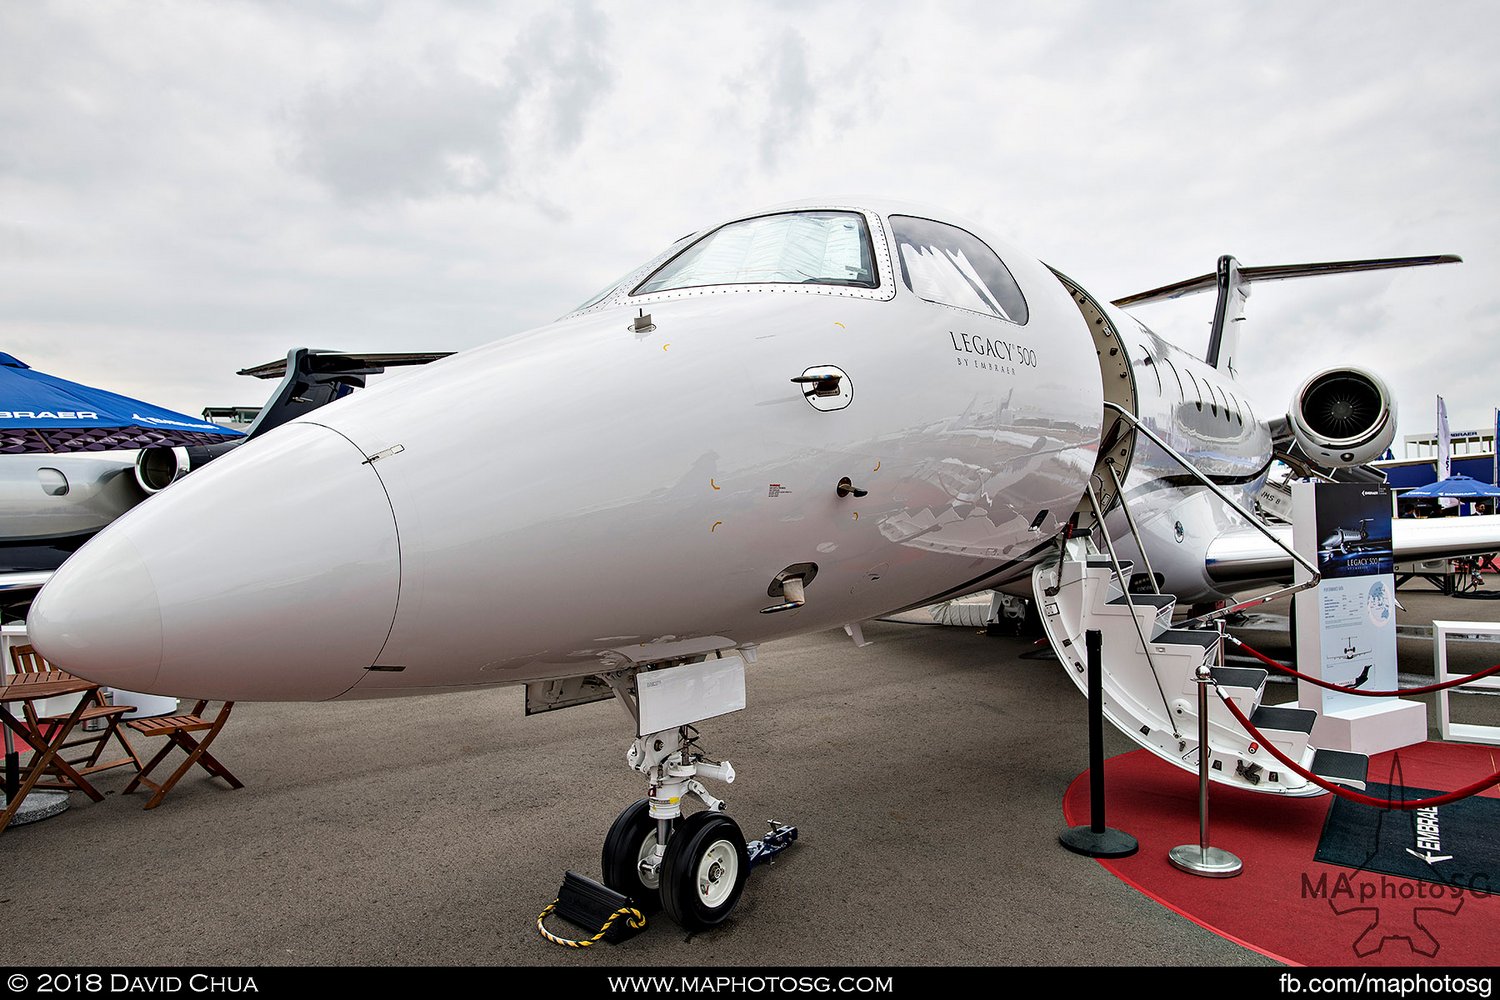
column 1383, row 910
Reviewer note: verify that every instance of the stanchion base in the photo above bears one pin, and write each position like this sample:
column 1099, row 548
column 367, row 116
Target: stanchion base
column 37, row 806
column 1106, row 843
column 1210, row 862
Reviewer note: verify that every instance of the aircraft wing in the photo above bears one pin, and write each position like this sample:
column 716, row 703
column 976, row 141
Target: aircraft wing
column 30, row 580
column 1245, row 556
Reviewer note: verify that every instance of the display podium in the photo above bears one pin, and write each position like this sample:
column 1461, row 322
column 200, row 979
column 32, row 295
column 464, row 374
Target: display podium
column 1346, row 625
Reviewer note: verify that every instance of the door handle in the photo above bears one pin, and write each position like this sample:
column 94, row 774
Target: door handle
column 820, row 385
column 789, row 585
column 791, row 590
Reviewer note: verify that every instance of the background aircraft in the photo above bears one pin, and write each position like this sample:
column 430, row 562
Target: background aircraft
column 803, row 418
column 51, row 504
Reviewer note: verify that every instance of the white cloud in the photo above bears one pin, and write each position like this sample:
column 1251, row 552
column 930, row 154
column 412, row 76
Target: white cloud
column 187, row 189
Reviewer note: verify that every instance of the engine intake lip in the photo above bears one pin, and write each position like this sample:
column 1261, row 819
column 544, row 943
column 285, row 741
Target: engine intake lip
column 1343, row 408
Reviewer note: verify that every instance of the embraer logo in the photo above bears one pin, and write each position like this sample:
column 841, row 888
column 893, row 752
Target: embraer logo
column 1428, row 839
column 169, row 423
column 48, row 415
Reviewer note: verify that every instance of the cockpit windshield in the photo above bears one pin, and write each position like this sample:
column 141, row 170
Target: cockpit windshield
column 822, row 248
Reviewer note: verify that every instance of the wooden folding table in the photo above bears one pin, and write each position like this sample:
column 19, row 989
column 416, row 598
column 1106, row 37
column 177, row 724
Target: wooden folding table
column 45, row 745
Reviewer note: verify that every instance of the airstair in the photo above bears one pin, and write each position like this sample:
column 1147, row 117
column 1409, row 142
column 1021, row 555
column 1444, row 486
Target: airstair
column 1150, row 665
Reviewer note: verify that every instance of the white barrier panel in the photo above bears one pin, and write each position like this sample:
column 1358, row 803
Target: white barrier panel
column 1457, row 730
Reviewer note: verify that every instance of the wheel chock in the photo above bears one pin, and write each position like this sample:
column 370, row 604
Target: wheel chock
column 605, row 914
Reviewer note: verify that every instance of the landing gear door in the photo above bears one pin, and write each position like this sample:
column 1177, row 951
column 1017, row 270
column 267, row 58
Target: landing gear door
column 682, row 696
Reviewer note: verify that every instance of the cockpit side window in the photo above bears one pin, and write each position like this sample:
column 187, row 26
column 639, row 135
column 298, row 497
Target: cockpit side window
column 952, row 267
column 821, row 248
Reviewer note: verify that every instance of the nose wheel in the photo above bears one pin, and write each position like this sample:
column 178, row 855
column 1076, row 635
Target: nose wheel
column 630, row 859
column 704, row 870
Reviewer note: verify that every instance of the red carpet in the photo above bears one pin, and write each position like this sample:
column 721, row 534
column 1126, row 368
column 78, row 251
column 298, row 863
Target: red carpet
column 1284, row 904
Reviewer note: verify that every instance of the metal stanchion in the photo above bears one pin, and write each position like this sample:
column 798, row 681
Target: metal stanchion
column 1199, row 858
column 1096, row 840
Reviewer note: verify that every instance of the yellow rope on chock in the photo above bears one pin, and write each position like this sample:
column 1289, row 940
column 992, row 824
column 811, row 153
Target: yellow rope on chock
column 636, row 920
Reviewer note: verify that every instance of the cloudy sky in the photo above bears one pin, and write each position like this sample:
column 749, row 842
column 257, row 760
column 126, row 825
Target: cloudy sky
column 187, row 189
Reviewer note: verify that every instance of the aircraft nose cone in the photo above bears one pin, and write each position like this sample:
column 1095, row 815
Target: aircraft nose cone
column 106, row 626
column 271, row 574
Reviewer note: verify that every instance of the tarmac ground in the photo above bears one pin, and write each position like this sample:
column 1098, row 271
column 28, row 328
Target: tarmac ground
column 925, row 773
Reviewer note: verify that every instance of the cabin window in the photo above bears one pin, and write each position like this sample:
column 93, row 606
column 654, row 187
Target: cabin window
column 1181, row 396
column 818, row 248
column 1196, row 390
column 951, row 267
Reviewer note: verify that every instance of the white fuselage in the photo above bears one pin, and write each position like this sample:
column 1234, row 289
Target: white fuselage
column 588, row 494
column 1203, row 414
column 46, row 498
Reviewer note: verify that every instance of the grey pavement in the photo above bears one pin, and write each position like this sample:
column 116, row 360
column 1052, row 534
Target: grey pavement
column 925, row 771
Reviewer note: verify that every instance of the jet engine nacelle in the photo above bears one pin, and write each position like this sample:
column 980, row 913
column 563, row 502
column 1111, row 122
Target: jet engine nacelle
column 1343, row 417
column 158, row 468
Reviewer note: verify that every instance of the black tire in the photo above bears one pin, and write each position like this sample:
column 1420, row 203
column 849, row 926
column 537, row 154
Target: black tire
column 632, row 834
column 1031, row 623
column 704, row 870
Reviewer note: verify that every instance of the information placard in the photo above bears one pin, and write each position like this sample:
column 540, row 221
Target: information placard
column 1346, row 625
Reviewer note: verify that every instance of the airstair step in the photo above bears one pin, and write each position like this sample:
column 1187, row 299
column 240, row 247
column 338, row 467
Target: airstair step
column 1188, row 637
column 1342, row 768
column 1145, row 600
column 1285, row 720
column 1253, row 678
column 1102, row 562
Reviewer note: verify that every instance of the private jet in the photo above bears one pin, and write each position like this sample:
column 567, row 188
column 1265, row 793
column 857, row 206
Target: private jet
column 51, row 503
column 800, row 419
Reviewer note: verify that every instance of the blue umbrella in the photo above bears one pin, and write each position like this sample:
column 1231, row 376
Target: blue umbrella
column 1461, row 486
column 43, row 413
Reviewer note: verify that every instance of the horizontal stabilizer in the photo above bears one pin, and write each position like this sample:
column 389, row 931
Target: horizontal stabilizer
column 312, row 378
column 337, row 362
column 1279, row 272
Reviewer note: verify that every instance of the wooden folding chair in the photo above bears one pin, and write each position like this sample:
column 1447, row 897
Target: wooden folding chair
column 26, row 660
column 179, row 730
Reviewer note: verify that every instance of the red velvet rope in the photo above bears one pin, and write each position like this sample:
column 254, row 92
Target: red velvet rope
column 1456, row 682
column 1344, row 793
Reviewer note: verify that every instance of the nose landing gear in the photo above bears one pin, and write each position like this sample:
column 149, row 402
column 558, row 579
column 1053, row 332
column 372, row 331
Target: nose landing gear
column 693, row 866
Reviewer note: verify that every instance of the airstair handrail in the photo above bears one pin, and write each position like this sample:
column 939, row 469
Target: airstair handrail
column 1114, row 561
column 1130, row 523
